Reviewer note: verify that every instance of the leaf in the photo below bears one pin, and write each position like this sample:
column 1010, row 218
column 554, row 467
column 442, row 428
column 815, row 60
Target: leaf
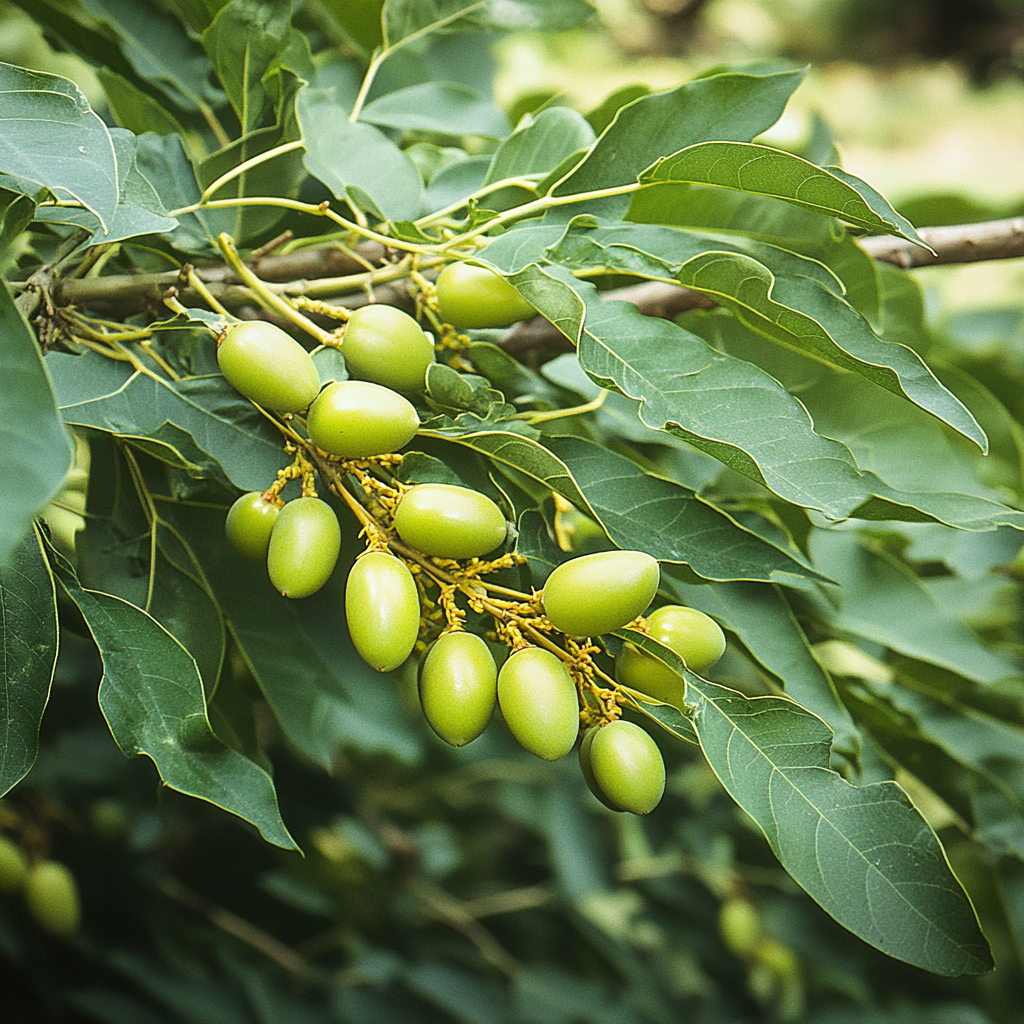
column 644, row 512
column 405, row 20
column 446, row 107
column 348, row 157
column 135, row 109
column 200, row 424
column 28, row 656
column 35, row 450
column 721, row 405
column 243, row 43
column 864, row 854
column 540, row 144
column 761, row 170
column 881, row 600
column 764, row 622
column 726, row 106
column 53, row 138
column 152, row 698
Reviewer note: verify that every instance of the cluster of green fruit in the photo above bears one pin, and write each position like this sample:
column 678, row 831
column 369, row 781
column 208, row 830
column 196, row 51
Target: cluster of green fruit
column 772, row 965
column 49, row 888
column 459, row 682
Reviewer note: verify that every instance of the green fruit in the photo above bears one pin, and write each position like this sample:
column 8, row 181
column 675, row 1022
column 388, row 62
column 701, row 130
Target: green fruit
column 588, row 771
column 268, row 366
column 13, row 866
column 382, row 606
column 627, row 767
column 304, row 546
column 449, row 521
column 778, row 958
column 109, row 820
column 598, row 593
column 356, row 419
column 740, row 925
column 694, row 636
column 248, row 525
column 386, row 346
column 457, row 687
column 472, row 297
column 52, row 896
column 538, row 701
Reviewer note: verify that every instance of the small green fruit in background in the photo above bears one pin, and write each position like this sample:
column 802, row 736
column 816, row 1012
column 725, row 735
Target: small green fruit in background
column 52, row 897
column 13, row 866
column 449, row 521
column 694, row 636
column 538, row 701
column 458, row 687
column 356, row 419
column 304, row 547
column 475, row 297
column 382, row 607
column 627, row 767
column 268, row 366
column 740, row 925
column 384, row 345
column 248, row 525
column 598, row 593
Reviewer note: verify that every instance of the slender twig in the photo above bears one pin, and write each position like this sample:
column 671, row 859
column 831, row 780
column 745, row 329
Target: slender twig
column 959, row 243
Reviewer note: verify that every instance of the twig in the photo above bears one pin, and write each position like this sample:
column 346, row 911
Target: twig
column 959, row 243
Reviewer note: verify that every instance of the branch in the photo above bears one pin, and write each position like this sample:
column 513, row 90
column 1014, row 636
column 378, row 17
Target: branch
column 959, row 243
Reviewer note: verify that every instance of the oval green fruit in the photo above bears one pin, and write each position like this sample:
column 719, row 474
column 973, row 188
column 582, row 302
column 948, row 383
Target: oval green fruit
column 694, row 636
column 628, row 767
column 598, row 593
column 248, row 525
column 356, row 419
column 449, row 521
column 475, row 297
column 268, row 366
column 382, row 607
column 385, row 345
column 13, row 866
column 587, row 768
column 538, row 701
column 304, row 547
column 740, row 925
column 52, row 896
column 458, row 687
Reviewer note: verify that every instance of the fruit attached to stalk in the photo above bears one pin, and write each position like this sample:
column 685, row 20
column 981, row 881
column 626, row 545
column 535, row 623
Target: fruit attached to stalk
column 268, row 366
column 457, row 687
column 449, row 521
column 355, row 419
column 474, row 297
column 382, row 607
column 627, row 767
column 386, row 346
column 249, row 524
column 304, row 547
column 538, row 701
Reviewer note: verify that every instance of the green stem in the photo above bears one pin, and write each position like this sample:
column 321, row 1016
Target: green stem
column 557, row 414
column 379, row 56
column 523, row 181
column 248, row 165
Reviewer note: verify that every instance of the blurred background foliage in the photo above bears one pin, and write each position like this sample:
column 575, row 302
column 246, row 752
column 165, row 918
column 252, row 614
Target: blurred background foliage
column 479, row 885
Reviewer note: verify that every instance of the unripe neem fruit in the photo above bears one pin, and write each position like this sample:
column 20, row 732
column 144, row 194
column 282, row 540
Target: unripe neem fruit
column 356, row 419
column 385, row 345
column 13, row 866
column 52, row 896
column 304, row 547
column 627, row 767
column 740, row 925
column 475, row 297
column 268, row 366
column 449, row 521
column 588, row 771
column 382, row 607
column 538, row 701
column 457, row 687
column 694, row 636
column 248, row 525
column 777, row 958
column 598, row 593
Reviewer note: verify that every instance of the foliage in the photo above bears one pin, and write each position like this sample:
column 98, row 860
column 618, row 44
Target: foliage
column 831, row 480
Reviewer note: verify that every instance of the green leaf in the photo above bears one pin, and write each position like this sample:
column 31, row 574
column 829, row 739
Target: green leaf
column 243, row 43
column 135, row 109
column 763, row 620
column 864, row 853
column 761, row 170
column 883, row 601
column 446, row 107
column 152, row 698
column 540, row 144
column 640, row 511
column 348, row 156
column 405, row 20
column 200, row 424
column 727, row 106
column 53, row 138
column 35, row 450
column 694, row 392
column 28, row 656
